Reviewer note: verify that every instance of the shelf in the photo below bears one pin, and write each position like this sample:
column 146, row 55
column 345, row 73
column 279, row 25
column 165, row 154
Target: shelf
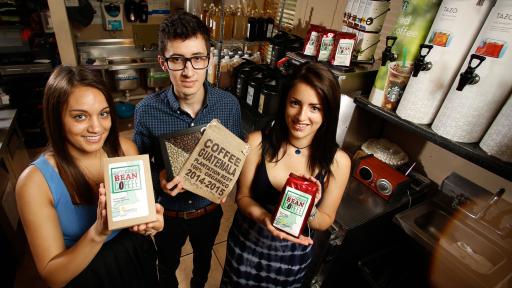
column 113, row 67
column 232, row 42
column 471, row 152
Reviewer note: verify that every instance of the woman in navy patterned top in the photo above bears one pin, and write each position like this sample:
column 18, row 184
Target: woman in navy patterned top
column 302, row 141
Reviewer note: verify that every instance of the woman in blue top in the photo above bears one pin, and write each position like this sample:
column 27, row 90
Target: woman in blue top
column 63, row 211
column 302, row 140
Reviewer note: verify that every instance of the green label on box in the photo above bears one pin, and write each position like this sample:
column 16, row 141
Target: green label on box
column 125, row 179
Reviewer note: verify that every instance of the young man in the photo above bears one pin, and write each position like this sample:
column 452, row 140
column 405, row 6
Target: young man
column 189, row 101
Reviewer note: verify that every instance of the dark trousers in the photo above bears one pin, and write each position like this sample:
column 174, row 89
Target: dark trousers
column 201, row 232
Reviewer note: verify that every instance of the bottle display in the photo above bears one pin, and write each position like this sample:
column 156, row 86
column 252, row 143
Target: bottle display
column 209, row 18
column 228, row 23
column 215, row 24
column 204, row 14
column 240, row 24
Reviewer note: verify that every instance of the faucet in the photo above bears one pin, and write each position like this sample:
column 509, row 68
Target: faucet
column 387, row 54
column 461, row 199
column 152, row 47
column 420, row 64
column 469, row 77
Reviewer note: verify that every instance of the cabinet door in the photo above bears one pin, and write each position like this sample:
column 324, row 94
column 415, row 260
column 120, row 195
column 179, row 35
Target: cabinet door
column 18, row 154
column 8, row 211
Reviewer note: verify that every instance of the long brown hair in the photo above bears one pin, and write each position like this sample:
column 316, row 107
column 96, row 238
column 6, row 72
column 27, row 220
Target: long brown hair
column 324, row 146
column 56, row 96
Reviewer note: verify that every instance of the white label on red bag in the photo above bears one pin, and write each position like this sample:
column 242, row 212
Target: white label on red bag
column 311, row 47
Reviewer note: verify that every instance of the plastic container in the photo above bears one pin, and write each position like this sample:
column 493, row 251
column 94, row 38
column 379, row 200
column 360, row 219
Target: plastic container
column 225, row 72
column 244, row 75
column 252, row 96
column 255, row 85
column 252, row 28
column 242, row 67
column 124, row 110
column 268, row 104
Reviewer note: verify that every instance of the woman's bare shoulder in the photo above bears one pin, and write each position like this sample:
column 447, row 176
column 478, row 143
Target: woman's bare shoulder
column 30, row 184
column 129, row 148
column 254, row 137
column 341, row 161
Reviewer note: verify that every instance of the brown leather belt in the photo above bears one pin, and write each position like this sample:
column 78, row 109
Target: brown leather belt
column 191, row 214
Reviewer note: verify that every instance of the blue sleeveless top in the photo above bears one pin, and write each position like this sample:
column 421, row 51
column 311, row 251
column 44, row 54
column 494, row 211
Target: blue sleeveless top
column 74, row 220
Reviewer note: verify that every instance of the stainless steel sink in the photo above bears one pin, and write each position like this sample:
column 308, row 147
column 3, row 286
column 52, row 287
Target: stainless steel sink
column 461, row 247
column 468, row 246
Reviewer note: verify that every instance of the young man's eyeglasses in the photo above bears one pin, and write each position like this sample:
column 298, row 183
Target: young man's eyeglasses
column 177, row 63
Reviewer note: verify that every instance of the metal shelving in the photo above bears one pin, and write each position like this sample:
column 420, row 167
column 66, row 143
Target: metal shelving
column 469, row 151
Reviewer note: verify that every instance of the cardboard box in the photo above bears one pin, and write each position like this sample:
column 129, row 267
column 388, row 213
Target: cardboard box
column 129, row 191
column 213, row 167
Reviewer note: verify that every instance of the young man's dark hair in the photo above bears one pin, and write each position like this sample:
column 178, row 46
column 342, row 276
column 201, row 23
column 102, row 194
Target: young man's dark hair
column 183, row 26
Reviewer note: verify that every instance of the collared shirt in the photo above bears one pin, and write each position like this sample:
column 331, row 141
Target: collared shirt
column 160, row 113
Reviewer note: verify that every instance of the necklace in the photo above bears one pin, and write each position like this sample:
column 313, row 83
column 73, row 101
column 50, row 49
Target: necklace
column 298, row 150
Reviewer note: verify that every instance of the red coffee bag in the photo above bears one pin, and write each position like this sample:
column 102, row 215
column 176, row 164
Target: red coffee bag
column 295, row 205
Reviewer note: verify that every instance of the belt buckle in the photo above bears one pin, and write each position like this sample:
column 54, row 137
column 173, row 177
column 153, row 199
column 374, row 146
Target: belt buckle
column 190, row 214
column 185, row 215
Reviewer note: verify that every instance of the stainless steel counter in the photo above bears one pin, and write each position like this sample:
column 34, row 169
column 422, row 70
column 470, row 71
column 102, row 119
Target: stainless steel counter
column 360, row 205
column 25, row 68
column 114, row 67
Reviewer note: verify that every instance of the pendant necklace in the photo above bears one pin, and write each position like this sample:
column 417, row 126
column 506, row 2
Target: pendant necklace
column 298, row 150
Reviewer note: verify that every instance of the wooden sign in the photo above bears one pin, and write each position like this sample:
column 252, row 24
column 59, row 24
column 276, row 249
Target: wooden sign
column 129, row 191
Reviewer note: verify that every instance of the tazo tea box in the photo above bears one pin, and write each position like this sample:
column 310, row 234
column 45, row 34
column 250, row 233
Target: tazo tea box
column 295, row 205
column 129, row 191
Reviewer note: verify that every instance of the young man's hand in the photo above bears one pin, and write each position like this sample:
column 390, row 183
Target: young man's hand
column 172, row 188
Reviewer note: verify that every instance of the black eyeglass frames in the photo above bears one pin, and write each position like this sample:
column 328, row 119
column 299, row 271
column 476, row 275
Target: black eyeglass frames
column 177, row 63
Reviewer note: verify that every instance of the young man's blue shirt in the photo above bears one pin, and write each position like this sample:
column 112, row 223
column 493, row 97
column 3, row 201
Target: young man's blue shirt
column 160, row 113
